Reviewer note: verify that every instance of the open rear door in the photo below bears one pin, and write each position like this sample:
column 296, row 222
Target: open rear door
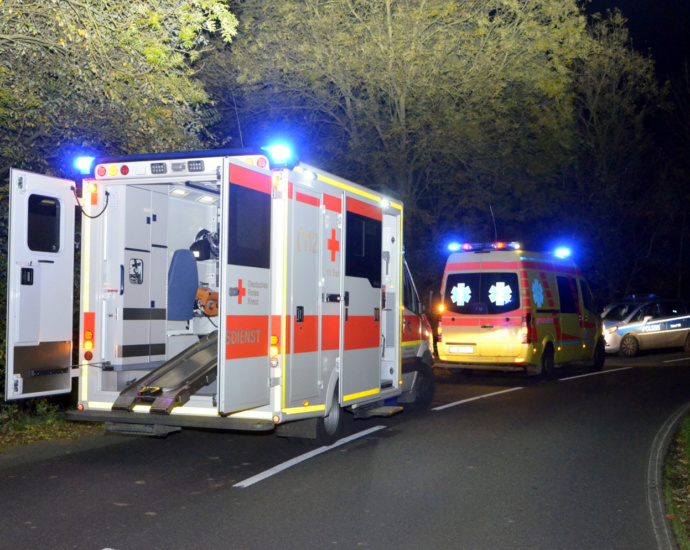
column 40, row 278
column 245, row 284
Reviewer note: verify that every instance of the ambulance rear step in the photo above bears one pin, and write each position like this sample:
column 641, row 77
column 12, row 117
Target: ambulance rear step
column 174, row 382
column 154, row 430
column 385, row 410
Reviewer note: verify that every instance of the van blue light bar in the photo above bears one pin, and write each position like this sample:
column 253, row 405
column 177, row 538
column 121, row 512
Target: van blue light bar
column 280, row 155
column 83, row 164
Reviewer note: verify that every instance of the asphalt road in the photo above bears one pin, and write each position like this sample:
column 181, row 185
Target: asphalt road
column 502, row 462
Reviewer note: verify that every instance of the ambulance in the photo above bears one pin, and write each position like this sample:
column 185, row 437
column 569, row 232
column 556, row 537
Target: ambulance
column 218, row 289
column 508, row 309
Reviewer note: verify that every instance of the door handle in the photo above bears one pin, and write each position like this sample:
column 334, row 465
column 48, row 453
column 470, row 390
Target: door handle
column 299, row 315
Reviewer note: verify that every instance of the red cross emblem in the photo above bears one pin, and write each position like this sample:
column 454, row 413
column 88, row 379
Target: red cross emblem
column 243, row 292
column 333, row 245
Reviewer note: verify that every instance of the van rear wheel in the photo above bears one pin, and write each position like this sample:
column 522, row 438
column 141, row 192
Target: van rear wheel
column 547, row 364
column 328, row 427
column 424, row 394
column 599, row 356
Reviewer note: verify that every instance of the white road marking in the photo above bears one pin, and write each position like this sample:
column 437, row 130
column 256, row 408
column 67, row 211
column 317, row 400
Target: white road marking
column 675, row 360
column 441, row 407
column 311, row 454
column 593, row 374
column 656, row 501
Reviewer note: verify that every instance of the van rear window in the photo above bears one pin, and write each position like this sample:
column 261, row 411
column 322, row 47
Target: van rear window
column 482, row 293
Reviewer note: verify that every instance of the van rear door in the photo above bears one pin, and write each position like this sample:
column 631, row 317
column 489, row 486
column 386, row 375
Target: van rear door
column 501, row 325
column 245, row 289
column 40, row 279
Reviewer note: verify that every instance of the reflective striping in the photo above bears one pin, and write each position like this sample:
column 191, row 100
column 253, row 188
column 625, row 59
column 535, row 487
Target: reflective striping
column 250, row 179
column 364, row 209
column 306, row 337
column 99, row 405
column 413, row 343
column 361, row 394
column 334, row 204
column 298, row 410
column 330, row 332
column 361, row 332
column 246, row 336
column 307, row 199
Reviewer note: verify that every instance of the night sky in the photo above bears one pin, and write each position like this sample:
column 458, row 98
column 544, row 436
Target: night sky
column 659, row 26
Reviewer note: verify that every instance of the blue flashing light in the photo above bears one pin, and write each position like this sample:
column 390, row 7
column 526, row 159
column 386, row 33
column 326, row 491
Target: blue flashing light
column 83, row 164
column 454, row 247
column 562, row 252
column 281, row 155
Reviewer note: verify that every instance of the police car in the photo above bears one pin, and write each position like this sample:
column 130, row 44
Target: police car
column 631, row 326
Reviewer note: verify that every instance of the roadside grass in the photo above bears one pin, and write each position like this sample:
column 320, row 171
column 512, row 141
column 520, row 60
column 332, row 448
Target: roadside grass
column 677, row 484
column 41, row 421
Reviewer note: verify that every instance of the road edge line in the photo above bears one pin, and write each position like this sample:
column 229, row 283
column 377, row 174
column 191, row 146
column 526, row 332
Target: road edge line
column 656, row 502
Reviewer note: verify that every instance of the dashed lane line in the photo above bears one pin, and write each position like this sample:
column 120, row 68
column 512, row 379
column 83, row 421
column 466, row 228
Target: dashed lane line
column 306, row 456
column 593, row 373
column 447, row 406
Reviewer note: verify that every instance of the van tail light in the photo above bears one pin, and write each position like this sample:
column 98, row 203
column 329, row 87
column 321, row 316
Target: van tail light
column 274, row 351
column 89, row 341
column 526, row 329
column 440, row 330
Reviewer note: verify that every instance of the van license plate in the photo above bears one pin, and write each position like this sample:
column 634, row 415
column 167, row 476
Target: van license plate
column 460, row 349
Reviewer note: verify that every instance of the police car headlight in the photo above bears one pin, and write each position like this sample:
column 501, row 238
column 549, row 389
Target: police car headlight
column 611, row 330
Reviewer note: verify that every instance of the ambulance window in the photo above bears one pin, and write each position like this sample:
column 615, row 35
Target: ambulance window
column 482, row 293
column 363, row 248
column 410, row 299
column 44, row 224
column 567, row 294
column 500, row 292
column 249, row 227
column 587, row 298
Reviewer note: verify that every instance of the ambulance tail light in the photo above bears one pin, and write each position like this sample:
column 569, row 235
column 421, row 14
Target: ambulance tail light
column 88, row 344
column 439, row 331
column 274, row 351
column 89, row 340
column 526, row 329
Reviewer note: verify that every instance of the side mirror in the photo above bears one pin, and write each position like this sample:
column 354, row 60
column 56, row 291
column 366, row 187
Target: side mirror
column 647, row 318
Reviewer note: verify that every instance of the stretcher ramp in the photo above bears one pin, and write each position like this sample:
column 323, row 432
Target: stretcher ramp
column 174, row 382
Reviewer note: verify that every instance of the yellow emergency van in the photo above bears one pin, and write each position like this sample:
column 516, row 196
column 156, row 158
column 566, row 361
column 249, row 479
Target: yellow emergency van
column 508, row 309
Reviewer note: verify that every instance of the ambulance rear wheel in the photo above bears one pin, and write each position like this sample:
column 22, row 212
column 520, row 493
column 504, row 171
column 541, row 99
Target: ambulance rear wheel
column 424, row 393
column 599, row 356
column 328, row 427
column 629, row 346
column 547, row 364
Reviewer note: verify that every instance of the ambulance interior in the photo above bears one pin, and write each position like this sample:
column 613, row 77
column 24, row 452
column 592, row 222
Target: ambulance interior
column 160, row 274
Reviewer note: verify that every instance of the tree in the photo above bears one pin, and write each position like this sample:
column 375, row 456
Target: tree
column 616, row 192
column 102, row 75
column 112, row 76
column 459, row 107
